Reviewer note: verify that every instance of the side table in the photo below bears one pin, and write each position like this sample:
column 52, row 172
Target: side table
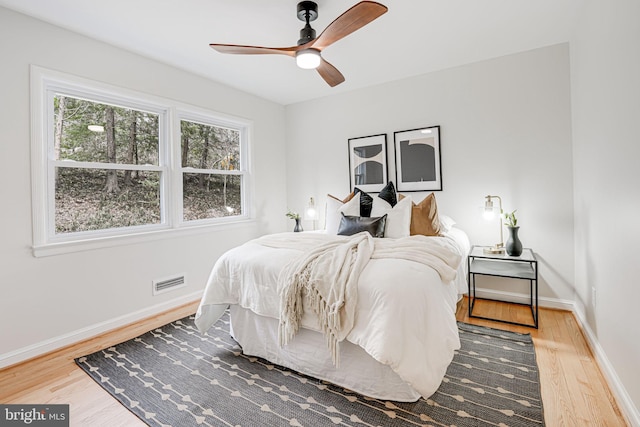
column 523, row 267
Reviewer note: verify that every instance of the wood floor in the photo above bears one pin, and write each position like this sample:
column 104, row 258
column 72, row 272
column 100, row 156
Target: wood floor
column 574, row 391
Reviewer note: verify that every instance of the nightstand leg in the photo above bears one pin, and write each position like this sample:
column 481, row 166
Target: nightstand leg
column 469, row 283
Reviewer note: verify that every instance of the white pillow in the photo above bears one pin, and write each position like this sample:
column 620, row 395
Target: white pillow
column 334, row 210
column 446, row 222
column 351, row 208
column 398, row 216
column 331, row 215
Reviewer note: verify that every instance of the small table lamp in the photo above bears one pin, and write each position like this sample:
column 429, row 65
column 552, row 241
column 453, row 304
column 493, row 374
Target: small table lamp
column 498, row 248
column 311, row 213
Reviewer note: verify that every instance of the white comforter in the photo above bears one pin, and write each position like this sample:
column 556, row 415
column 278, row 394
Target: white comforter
column 404, row 315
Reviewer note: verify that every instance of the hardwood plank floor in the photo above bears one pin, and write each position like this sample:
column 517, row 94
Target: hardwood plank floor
column 574, row 391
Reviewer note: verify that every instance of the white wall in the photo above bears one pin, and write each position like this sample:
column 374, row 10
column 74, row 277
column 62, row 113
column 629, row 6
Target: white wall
column 605, row 85
column 505, row 126
column 46, row 300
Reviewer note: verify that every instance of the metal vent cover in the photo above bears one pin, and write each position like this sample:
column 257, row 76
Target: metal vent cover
column 169, row 283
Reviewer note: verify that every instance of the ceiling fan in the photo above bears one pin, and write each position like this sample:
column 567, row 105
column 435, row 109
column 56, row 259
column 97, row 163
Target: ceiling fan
column 308, row 50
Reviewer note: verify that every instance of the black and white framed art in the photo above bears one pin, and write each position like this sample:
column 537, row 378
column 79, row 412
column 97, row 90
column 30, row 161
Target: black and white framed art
column 368, row 162
column 418, row 160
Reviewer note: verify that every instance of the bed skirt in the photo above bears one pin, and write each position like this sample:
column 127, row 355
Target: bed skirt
column 307, row 353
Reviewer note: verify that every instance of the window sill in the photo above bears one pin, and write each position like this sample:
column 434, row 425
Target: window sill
column 60, row 248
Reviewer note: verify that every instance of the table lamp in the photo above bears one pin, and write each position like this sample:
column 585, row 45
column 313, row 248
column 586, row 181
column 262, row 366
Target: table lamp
column 311, row 213
column 488, row 214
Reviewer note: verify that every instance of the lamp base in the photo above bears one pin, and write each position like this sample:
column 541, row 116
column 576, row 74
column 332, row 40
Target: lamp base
column 494, row 250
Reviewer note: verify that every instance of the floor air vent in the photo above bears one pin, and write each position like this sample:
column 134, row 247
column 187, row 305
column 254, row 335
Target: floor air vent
column 168, row 284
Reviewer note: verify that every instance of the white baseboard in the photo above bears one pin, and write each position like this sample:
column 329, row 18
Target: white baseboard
column 627, row 407
column 55, row 343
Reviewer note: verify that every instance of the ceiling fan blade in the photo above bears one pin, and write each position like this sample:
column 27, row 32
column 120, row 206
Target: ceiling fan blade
column 254, row 50
column 353, row 19
column 329, row 73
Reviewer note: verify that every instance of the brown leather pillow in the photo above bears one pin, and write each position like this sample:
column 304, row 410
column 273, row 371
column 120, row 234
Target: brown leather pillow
column 345, row 200
column 424, row 217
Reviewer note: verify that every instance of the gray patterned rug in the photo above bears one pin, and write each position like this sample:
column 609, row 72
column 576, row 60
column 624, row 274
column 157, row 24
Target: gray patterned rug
column 174, row 376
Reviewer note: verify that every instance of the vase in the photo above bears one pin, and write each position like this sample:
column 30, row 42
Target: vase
column 298, row 226
column 513, row 245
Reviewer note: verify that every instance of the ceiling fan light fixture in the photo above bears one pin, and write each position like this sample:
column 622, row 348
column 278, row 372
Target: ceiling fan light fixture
column 308, row 58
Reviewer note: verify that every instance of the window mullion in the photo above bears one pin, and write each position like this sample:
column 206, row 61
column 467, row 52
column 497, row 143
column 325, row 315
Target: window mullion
column 213, row 171
column 110, row 166
column 174, row 174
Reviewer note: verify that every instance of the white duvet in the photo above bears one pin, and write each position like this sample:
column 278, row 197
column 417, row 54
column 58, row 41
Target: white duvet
column 404, row 315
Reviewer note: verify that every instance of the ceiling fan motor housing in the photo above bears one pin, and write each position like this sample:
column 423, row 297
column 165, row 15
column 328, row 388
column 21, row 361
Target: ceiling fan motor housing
column 307, row 12
column 309, row 8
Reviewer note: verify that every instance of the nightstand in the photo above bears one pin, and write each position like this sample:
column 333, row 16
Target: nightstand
column 523, row 267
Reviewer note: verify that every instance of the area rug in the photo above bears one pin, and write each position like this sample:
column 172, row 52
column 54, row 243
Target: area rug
column 174, row 376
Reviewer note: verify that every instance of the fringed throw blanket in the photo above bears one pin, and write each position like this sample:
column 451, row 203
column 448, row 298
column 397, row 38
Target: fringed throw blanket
column 327, row 276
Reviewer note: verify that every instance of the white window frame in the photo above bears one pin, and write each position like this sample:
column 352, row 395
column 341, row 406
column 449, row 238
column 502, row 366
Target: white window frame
column 44, row 85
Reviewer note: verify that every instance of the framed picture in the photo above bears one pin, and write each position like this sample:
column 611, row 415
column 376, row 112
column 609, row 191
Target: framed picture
column 368, row 162
column 418, row 161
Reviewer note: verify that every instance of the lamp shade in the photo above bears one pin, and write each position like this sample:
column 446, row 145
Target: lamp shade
column 308, row 58
column 489, row 212
column 311, row 213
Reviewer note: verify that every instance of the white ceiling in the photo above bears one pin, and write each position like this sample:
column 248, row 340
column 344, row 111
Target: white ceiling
column 413, row 37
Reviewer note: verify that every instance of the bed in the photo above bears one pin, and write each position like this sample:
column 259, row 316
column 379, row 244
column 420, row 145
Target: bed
column 399, row 294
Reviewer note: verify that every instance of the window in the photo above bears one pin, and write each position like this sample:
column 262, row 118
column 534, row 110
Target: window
column 108, row 162
column 212, row 176
column 105, row 165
